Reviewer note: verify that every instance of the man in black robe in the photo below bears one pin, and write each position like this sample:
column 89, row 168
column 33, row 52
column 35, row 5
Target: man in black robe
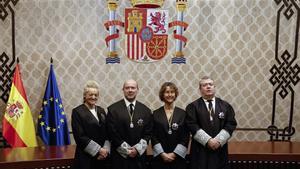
column 211, row 122
column 129, row 124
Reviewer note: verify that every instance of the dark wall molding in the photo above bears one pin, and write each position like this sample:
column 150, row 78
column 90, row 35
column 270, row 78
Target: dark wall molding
column 7, row 62
column 285, row 72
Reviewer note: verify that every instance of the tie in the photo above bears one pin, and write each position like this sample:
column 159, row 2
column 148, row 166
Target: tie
column 210, row 108
column 131, row 108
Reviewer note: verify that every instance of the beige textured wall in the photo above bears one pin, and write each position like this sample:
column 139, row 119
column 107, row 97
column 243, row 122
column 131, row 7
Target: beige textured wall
column 231, row 40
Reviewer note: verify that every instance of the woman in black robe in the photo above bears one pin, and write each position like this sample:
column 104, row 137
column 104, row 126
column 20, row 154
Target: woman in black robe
column 89, row 131
column 170, row 137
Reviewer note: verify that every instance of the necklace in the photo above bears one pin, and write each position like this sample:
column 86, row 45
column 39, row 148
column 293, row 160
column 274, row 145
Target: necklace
column 171, row 112
column 131, row 113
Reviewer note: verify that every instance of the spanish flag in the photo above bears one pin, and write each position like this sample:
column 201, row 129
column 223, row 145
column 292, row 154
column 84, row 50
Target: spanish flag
column 18, row 127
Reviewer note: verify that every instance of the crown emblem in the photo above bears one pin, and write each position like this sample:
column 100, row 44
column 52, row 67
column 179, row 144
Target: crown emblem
column 147, row 3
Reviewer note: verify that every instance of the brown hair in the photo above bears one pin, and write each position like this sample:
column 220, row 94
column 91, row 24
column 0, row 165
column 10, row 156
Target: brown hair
column 164, row 87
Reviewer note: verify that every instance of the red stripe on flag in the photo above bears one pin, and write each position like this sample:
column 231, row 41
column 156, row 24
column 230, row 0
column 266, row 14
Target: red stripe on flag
column 128, row 46
column 11, row 135
column 132, row 46
column 138, row 41
column 17, row 81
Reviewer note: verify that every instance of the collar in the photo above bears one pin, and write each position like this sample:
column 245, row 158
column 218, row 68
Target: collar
column 128, row 103
column 206, row 101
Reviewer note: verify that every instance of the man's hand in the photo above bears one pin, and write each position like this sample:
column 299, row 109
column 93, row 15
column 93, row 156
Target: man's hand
column 132, row 152
column 103, row 153
column 168, row 157
column 213, row 144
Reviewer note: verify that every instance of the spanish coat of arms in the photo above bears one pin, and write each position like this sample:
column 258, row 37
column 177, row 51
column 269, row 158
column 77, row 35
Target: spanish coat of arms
column 146, row 29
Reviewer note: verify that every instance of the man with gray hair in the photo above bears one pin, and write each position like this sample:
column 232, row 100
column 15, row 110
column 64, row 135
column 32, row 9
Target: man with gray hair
column 211, row 121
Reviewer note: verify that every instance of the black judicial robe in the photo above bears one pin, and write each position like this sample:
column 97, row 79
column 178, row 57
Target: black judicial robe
column 85, row 128
column 197, row 117
column 118, row 123
column 169, row 142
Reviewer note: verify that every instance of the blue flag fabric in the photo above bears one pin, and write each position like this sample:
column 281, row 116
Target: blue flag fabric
column 52, row 120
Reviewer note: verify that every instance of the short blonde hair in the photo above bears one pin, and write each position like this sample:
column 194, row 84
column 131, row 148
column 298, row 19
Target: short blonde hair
column 90, row 84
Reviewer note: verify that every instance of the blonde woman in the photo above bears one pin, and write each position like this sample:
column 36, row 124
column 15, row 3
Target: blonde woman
column 89, row 131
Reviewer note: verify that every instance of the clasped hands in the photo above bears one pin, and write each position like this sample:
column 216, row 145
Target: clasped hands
column 213, row 144
column 103, row 153
column 168, row 157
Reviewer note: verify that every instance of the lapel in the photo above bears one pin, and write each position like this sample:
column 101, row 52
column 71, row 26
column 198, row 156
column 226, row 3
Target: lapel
column 164, row 118
column 137, row 107
column 100, row 115
column 89, row 116
column 175, row 116
column 218, row 111
column 203, row 110
column 217, row 107
column 124, row 110
column 138, row 111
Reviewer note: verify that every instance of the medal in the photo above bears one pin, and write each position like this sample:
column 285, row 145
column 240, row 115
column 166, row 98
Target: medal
column 174, row 126
column 131, row 125
column 170, row 120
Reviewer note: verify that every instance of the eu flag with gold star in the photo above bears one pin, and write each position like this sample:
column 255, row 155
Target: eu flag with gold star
column 52, row 121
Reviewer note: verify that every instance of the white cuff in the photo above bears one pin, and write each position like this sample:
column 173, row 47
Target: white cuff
column 141, row 146
column 202, row 137
column 223, row 137
column 92, row 148
column 157, row 149
column 107, row 145
column 180, row 150
column 123, row 149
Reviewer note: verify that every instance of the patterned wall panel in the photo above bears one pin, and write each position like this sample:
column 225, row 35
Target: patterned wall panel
column 231, row 40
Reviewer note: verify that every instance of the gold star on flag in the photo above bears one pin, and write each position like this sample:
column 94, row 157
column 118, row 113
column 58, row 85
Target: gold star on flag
column 45, row 102
column 40, row 116
column 48, row 128
column 62, row 120
column 56, row 100
column 42, row 123
column 63, row 113
column 60, row 105
column 53, row 130
column 58, row 127
column 51, row 99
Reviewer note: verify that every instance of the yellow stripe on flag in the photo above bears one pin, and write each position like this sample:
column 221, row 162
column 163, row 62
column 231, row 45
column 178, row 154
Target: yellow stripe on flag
column 21, row 119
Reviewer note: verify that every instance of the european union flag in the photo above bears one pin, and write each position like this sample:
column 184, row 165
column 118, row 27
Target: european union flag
column 52, row 121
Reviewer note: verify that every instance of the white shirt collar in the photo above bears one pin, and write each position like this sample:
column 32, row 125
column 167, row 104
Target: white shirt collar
column 94, row 112
column 128, row 102
column 212, row 99
column 213, row 102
